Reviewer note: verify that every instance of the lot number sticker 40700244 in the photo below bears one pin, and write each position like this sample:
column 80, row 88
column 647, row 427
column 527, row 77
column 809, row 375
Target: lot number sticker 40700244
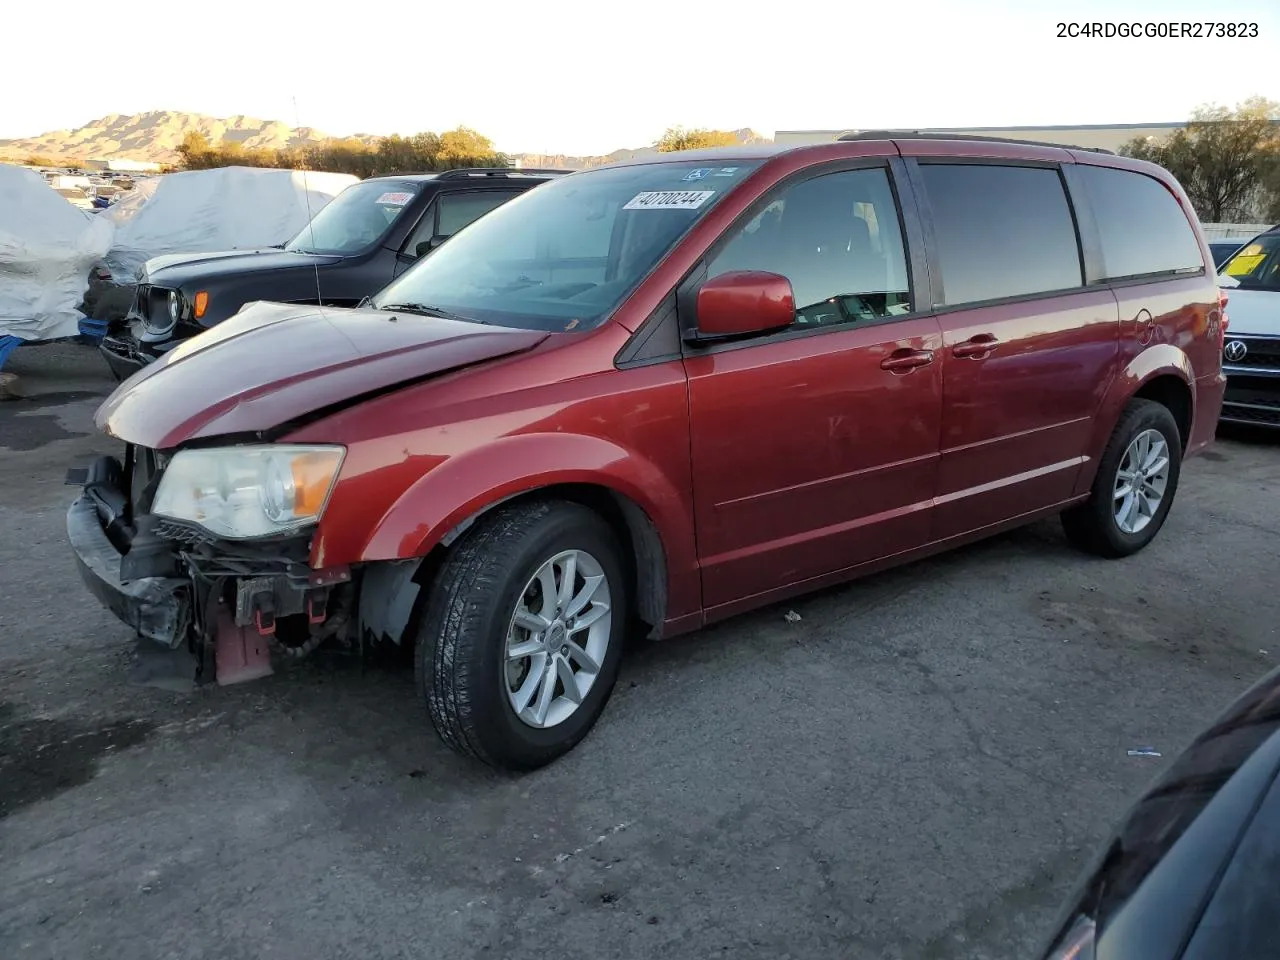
column 669, row 200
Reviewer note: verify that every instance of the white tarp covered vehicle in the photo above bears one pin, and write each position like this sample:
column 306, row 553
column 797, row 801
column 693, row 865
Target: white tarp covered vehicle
column 47, row 247
column 201, row 211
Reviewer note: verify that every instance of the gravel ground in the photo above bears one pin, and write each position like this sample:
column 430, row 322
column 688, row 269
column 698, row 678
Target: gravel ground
column 919, row 767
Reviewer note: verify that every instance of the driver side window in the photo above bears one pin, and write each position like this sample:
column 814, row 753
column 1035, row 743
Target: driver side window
column 838, row 239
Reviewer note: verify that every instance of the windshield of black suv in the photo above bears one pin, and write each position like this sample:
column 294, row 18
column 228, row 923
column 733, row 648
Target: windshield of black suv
column 565, row 254
column 1256, row 265
column 356, row 218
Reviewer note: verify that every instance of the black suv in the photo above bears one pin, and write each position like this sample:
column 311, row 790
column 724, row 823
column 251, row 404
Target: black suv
column 363, row 239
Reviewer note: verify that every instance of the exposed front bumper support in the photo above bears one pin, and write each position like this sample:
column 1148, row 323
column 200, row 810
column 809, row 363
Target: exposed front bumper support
column 158, row 608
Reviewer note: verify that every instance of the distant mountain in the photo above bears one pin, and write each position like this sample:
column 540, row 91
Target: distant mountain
column 156, row 135
column 563, row 161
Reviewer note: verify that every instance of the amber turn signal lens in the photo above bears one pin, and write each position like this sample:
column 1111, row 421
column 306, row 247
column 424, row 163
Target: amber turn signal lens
column 202, row 303
column 313, row 475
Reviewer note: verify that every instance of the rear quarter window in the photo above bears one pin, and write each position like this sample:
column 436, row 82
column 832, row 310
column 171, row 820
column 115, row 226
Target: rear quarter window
column 1143, row 229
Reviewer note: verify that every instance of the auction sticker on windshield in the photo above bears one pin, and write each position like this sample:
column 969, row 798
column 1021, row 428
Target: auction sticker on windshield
column 395, row 199
column 1242, row 266
column 669, row 200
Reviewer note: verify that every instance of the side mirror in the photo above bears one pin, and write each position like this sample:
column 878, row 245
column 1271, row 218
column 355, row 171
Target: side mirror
column 426, row 246
column 744, row 302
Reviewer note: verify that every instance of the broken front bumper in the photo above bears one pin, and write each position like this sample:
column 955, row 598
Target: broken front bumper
column 157, row 608
column 175, row 583
column 124, row 355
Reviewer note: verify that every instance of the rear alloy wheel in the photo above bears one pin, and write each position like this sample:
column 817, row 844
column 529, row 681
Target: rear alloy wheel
column 1141, row 482
column 522, row 638
column 1135, row 485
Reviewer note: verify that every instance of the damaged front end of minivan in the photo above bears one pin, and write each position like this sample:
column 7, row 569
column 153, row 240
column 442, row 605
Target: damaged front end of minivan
column 209, row 549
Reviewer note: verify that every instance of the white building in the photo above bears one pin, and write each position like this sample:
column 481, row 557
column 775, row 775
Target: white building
column 124, row 165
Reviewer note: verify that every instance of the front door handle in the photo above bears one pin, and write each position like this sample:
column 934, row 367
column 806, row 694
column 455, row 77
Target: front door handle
column 975, row 348
column 904, row 361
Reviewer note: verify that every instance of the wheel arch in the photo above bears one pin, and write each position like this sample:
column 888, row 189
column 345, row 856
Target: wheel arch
column 1174, row 393
column 643, row 552
column 1162, row 373
column 648, row 513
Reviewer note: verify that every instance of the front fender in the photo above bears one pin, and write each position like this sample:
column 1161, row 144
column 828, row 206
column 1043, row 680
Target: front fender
column 1160, row 360
column 468, row 483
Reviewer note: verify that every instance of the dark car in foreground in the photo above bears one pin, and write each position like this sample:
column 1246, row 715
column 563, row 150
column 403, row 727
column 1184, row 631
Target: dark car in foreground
column 363, row 239
column 1193, row 870
column 1251, row 352
column 664, row 391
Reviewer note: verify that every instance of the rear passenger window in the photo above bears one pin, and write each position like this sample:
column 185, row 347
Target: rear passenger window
column 838, row 239
column 1001, row 231
column 1143, row 229
column 459, row 209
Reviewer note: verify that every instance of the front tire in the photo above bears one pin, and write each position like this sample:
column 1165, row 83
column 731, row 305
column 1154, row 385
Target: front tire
column 1134, row 487
column 522, row 637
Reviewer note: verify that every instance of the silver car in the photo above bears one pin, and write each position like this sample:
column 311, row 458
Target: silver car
column 1251, row 348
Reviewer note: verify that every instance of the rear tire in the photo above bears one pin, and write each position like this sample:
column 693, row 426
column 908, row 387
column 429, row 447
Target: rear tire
column 1135, row 485
column 486, row 603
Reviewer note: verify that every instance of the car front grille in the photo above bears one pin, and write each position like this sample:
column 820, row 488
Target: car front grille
column 1237, row 413
column 1252, row 400
column 1261, row 353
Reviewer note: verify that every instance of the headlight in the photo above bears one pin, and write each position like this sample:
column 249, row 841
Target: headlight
column 175, row 306
column 242, row 492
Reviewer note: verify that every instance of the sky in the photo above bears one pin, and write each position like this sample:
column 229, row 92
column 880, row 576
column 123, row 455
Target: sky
column 585, row 77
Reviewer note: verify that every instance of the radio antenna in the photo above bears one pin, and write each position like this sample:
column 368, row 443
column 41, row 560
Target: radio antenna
column 306, row 196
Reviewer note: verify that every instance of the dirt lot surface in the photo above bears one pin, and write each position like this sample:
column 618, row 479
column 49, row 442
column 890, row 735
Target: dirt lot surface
column 918, row 768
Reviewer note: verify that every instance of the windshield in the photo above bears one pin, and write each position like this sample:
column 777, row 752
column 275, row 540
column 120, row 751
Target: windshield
column 565, row 254
column 356, row 218
column 1256, row 265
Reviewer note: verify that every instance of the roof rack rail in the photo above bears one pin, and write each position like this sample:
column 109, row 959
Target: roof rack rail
column 929, row 135
column 463, row 172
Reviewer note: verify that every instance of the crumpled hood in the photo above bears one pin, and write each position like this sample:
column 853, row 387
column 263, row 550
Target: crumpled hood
column 172, row 270
column 1250, row 312
column 273, row 363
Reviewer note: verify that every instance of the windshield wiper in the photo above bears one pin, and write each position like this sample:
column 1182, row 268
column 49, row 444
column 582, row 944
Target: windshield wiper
column 427, row 310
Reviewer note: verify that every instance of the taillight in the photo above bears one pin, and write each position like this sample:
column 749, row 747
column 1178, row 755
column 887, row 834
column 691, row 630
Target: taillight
column 1222, row 320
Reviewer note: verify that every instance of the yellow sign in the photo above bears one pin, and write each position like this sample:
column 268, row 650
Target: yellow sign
column 1242, row 265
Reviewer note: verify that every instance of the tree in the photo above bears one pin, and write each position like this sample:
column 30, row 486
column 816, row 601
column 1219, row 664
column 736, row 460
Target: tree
column 195, row 151
column 463, row 143
column 462, row 147
column 1270, row 181
column 1228, row 161
column 678, row 138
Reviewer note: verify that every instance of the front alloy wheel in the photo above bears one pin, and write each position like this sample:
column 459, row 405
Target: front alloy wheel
column 558, row 637
column 522, row 636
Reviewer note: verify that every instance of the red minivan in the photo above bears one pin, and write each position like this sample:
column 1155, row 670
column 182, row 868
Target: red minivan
column 661, row 393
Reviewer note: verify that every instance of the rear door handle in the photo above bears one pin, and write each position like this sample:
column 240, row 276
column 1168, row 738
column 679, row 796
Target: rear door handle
column 975, row 348
column 904, row 361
